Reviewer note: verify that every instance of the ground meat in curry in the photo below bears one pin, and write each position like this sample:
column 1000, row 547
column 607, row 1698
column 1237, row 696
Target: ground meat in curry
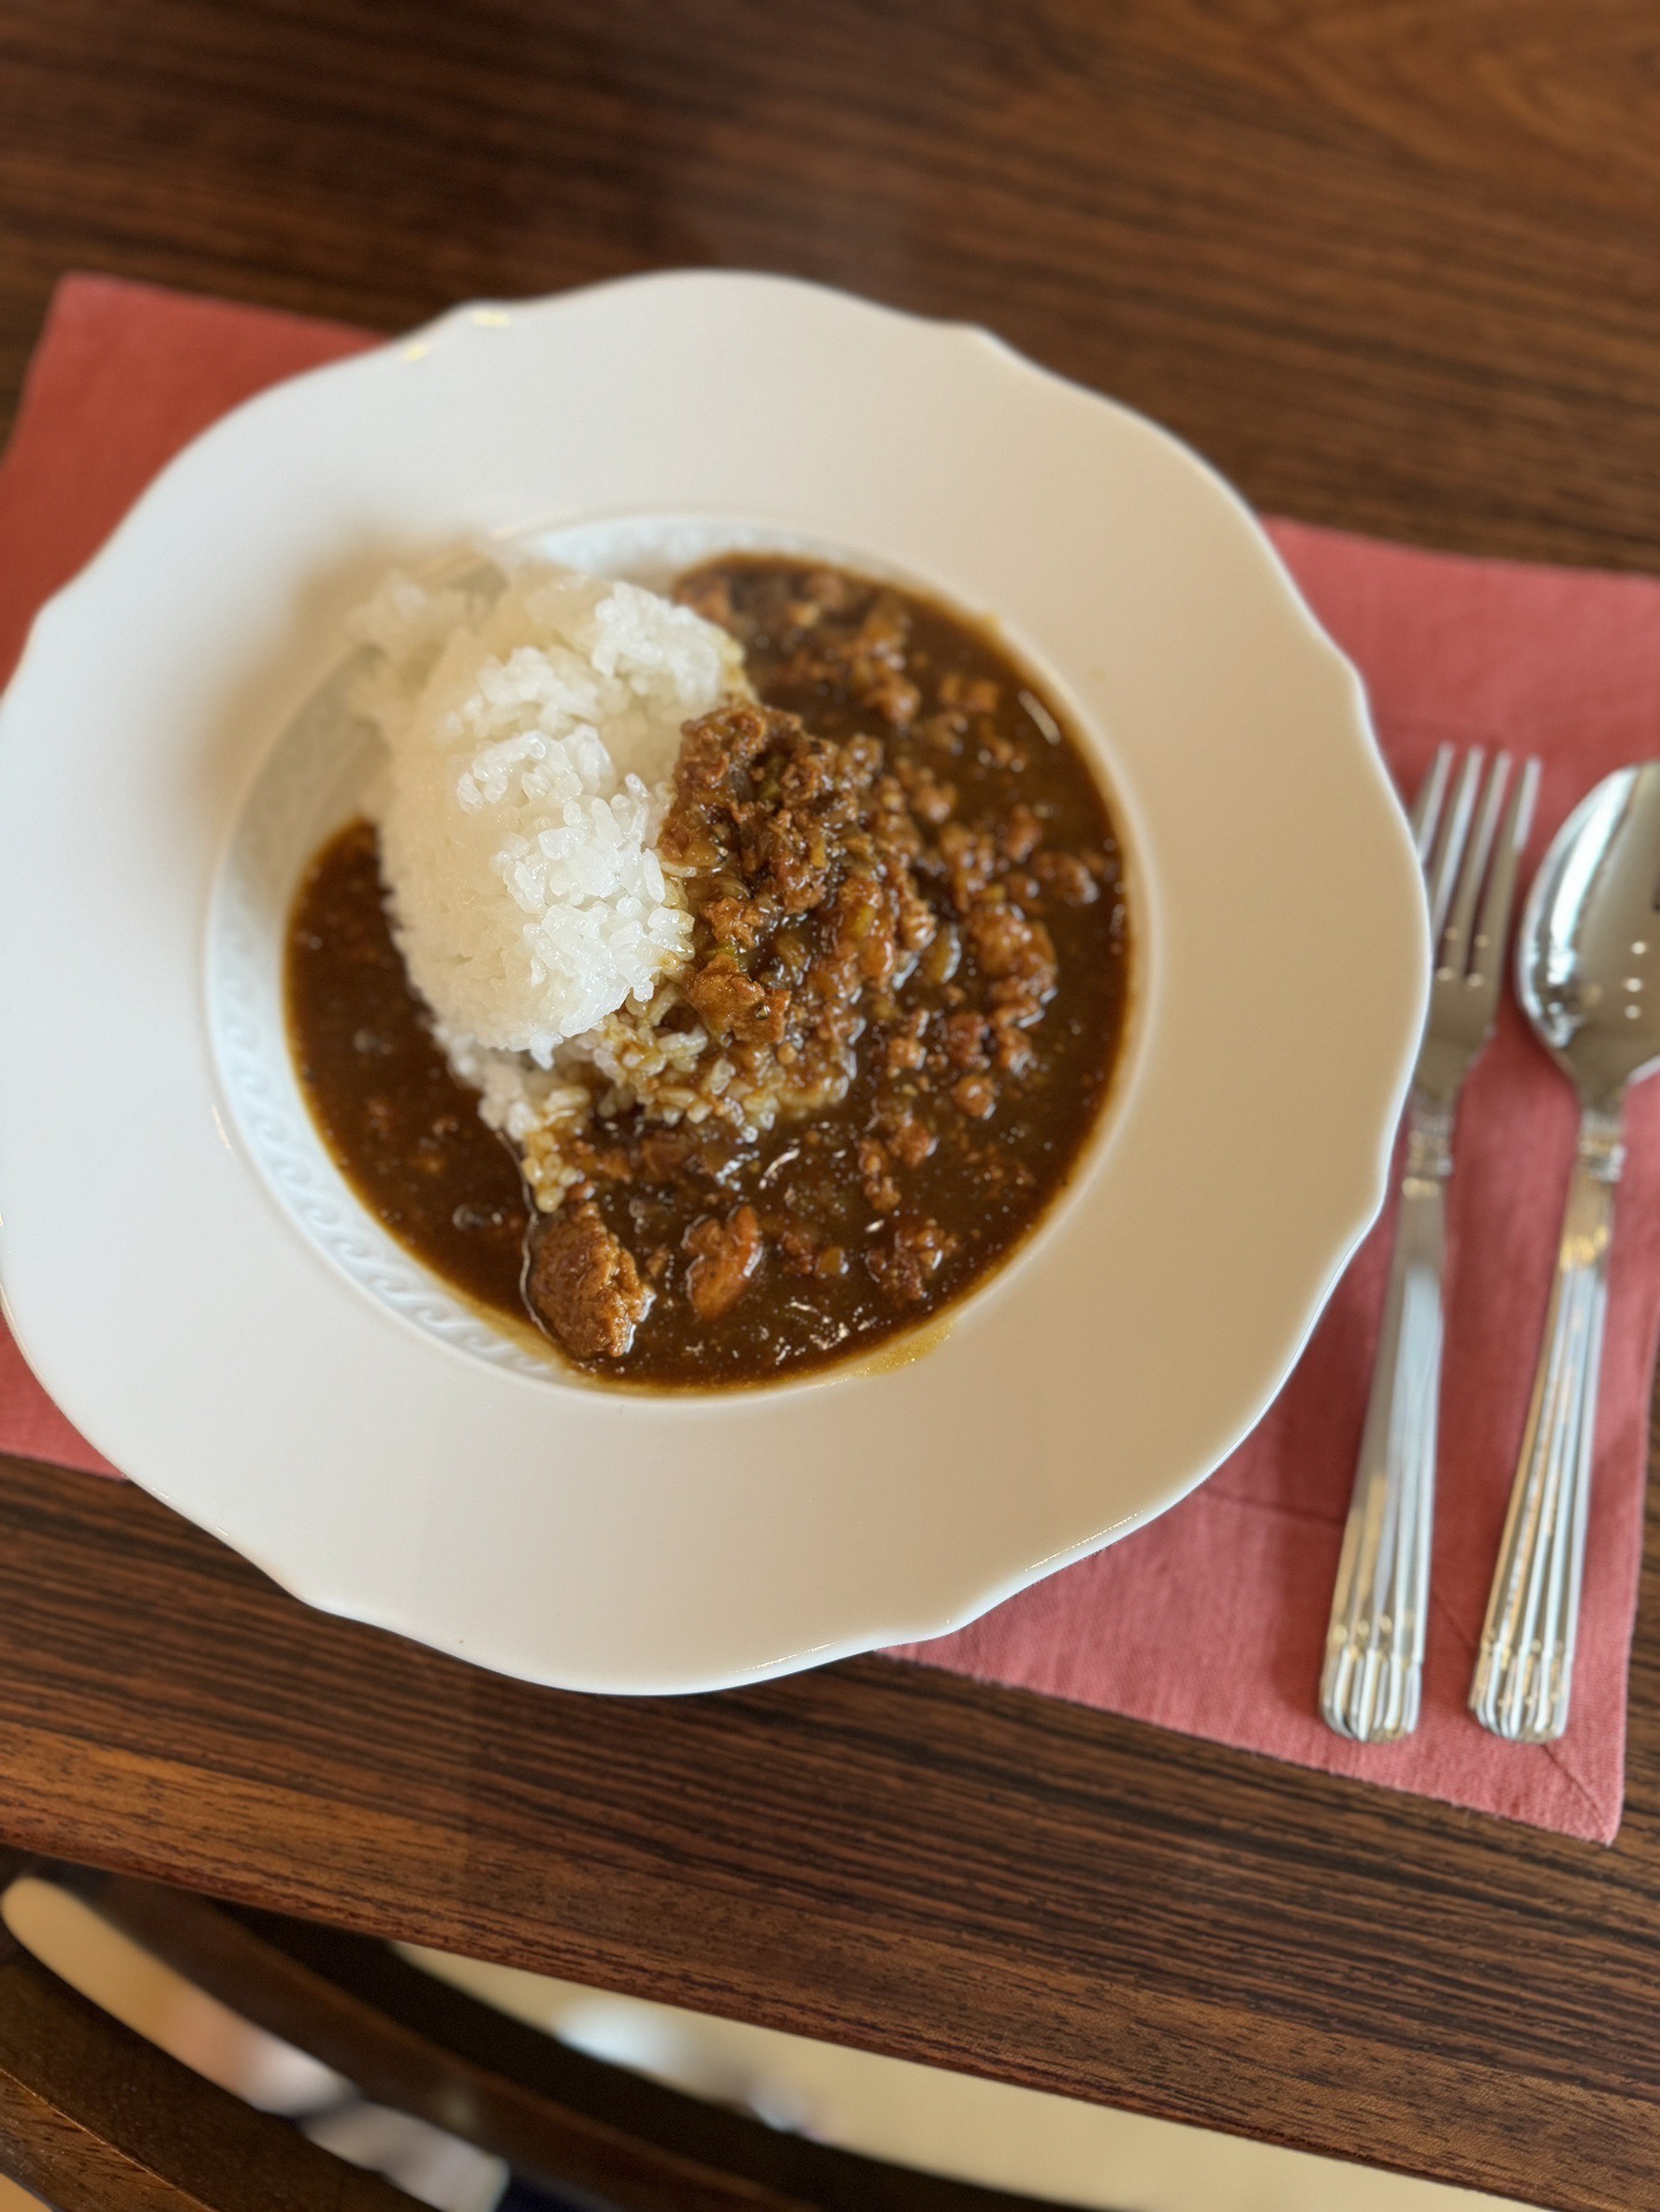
column 909, row 981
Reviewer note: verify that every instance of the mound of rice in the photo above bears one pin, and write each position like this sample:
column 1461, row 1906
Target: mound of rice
column 533, row 717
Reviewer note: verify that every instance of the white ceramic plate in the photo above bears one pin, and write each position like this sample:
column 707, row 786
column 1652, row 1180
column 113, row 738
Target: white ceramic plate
column 199, row 1291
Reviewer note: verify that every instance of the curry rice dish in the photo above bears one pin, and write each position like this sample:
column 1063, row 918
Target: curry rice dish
column 845, row 962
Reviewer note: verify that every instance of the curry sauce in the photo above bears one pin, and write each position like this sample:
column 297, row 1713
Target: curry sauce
column 910, row 965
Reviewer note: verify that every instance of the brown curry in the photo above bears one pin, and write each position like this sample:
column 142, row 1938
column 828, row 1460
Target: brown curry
column 907, row 988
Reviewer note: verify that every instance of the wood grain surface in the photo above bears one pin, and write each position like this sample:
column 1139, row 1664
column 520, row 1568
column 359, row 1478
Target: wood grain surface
column 1393, row 264
column 873, row 1853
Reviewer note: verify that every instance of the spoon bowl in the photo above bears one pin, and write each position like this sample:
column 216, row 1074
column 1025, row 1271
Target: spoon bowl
column 1588, row 951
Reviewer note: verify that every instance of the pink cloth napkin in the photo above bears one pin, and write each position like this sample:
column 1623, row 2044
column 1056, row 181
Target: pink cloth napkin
column 1212, row 1620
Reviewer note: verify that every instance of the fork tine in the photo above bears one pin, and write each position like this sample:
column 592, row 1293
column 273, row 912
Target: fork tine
column 1488, row 950
column 1426, row 808
column 1453, row 954
column 1450, row 843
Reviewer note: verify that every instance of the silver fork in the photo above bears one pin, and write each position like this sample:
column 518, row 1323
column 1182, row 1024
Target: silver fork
column 1470, row 834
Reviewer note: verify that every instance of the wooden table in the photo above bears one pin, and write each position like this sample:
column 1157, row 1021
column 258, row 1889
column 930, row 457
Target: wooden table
column 1393, row 264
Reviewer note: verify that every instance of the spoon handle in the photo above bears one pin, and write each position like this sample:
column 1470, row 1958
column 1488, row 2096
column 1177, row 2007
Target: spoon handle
column 1525, row 1671
column 1373, row 1671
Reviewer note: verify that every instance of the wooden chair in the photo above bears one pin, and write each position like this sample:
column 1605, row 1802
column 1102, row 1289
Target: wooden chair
column 93, row 2118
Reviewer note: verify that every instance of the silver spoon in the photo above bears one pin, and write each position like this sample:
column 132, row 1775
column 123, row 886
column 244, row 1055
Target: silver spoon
column 1588, row 977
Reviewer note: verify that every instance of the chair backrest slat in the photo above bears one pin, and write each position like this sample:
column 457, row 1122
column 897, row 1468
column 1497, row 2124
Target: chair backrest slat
column 94, row 2118
column 97, row 2120
column 391, row 2065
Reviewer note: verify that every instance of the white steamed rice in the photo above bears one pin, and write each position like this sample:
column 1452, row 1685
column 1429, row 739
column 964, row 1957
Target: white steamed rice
column 533, row 727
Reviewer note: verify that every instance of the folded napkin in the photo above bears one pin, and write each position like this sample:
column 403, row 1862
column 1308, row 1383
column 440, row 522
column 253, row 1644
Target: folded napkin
column 1213, row 1620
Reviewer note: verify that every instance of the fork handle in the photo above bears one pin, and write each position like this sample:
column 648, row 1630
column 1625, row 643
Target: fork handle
column 1374, row 1673
column 1525, row 1667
